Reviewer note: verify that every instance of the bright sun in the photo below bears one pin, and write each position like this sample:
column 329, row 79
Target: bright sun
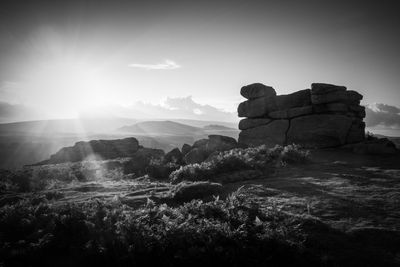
column 68, row 86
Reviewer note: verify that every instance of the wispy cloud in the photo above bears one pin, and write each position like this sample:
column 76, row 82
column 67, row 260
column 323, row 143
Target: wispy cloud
column 166, row 65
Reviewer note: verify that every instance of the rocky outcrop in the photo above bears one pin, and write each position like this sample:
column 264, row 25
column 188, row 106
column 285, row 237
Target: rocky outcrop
column 326, row 115
column 203, row 148
column 102, row 149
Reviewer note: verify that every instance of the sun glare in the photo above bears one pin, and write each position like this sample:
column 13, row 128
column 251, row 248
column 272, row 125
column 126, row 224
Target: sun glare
column 67, row 87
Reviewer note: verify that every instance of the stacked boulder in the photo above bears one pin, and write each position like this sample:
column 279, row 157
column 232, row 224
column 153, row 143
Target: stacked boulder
column 324, row 116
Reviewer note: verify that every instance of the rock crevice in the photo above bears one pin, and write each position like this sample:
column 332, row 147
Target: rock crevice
column 326, row 115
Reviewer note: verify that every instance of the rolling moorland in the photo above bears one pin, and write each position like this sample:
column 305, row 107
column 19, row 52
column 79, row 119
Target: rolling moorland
column 256, row 200
column 300, row 207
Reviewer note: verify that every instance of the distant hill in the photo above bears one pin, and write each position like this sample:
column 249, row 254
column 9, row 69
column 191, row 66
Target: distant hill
column 65, row 126
column 161, row 128
column 216, row 127
column 29, row 142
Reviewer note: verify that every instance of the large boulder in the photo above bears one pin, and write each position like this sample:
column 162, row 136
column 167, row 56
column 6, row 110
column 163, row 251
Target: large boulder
column 174, row 156
column 220, row 143
column 102, row 149
column 297, row 99
column 258, row 107
column 291, row 113
column 356, row 132
column 331, row 107
column 185, row 149
column 324, row 88
column 196, row 155
column 257, row 90
column 251, row 123
column 270, row 134
column 337, row 96
column 319, row 131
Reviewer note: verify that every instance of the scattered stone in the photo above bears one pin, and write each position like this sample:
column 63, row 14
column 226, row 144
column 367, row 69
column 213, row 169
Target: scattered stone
column 319, row 131
column 251, row 123
column 257, row 90
column 270, row 134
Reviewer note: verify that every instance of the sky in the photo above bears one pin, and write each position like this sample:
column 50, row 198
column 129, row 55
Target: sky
column 60, row 59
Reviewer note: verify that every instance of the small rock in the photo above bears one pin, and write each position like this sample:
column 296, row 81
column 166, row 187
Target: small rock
column 185, row 192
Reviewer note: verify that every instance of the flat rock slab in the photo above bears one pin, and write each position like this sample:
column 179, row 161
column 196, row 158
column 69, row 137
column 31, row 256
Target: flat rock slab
column 338, row 96
column 319, row 131
column 271, row 134
column 291, row 113
column 324, row 88
column 251, row 123
column 297, row 99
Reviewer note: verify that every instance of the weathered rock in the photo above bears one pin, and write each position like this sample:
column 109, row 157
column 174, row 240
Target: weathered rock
column 337, row 96
column 319, row 131
column 257, row 90
column 297, row 99
column 174, row 156
column 325, row 88
column 257, row 107
column 270, row 134
column 200, row 143
column 291, row 113
column 356, row 132
column 353, row 96
column 251, row 123
column 331, row 107
column 185, row 192
column 220, row 143
column 358, row 111
column 196, row 155
column 185, row 149
column 104, row 149
column 140, row 160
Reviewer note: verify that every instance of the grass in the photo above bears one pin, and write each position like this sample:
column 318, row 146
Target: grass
column 258, row 158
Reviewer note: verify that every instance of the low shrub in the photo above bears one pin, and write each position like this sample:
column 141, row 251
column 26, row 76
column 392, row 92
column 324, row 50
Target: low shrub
column 233, row 231
column 257, row 158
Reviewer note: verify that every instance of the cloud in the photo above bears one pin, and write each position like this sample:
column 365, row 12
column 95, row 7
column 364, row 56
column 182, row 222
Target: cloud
column 16, row 112
column 379, row 114
column 166, row 65
column 171, row 108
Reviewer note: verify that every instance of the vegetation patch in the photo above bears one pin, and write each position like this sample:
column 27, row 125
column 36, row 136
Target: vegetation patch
column 260, row 158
